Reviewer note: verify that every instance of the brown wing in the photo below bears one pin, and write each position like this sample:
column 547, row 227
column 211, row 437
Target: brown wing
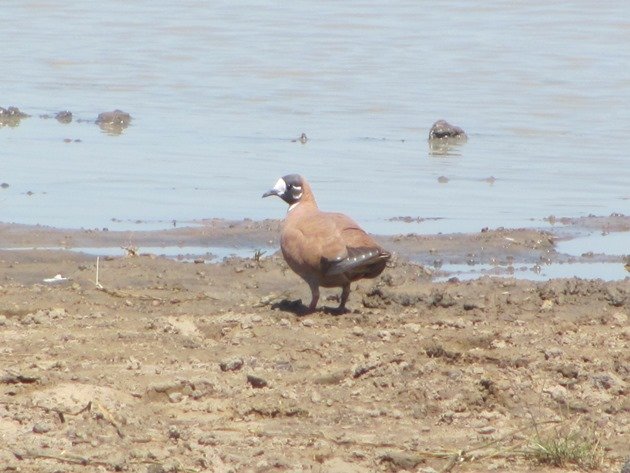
column 361, row 257
column 330, row 245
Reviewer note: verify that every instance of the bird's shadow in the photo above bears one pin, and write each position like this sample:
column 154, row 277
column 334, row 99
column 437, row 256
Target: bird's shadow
column 297, row 308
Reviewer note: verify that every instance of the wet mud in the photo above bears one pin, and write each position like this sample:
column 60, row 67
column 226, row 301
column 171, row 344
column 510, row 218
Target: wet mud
column 150, row 364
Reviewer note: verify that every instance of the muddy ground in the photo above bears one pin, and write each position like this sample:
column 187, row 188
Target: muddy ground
column 180, row 366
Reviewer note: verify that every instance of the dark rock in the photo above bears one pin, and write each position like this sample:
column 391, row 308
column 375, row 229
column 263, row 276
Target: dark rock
column 117, row 117
column 360, row 370
column 13, row 112
column 11, row 116
column 174, row 433
column 256, row 382
column 606, row 381
column 439, row 352
column 113, row 122
column 442, row 129
column 441, row 299
column 616, row 297
column 18, row 378
column 232, row 364
column 64, row 116
column 444, row 139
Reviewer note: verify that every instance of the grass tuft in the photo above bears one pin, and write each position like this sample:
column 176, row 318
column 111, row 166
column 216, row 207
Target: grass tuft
column 561, row 448
column 258, row 254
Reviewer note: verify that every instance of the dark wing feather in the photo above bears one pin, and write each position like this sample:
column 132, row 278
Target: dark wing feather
column 358, row 260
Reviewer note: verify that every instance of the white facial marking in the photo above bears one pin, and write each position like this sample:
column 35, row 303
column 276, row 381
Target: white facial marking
column 292, row 206
column 297, row 192
column 281, row 186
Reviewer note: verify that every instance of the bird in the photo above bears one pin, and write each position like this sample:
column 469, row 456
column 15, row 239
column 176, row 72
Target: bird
column 326, row 249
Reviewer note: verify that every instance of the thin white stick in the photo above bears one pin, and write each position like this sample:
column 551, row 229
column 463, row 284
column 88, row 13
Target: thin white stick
column 97, row 283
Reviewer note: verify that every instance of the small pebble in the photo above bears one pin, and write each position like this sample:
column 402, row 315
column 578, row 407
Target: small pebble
column 231, row 364
column 42, row 428
column 256, row 382
column 174, row 433
column 558, row 393
column 487, row 430
column 385, row 335
column 156, row 468
column 175, row 397
column 358, row 331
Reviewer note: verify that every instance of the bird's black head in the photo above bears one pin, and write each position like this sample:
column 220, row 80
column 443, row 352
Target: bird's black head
column 289, row 188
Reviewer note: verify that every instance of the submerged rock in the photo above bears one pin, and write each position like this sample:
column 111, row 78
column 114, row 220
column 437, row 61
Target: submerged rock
column 442, row 129
column 117, row 117
column 113, row 122
column 64, row 116
column 443, row 137
column 11, row 116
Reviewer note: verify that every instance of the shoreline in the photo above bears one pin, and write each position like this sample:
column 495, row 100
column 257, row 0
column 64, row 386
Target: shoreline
column 593, row 247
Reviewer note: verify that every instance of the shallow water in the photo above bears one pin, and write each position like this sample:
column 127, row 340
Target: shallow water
column 613, row 271
column 217, row 90
column 616, row 243
column 181, row 253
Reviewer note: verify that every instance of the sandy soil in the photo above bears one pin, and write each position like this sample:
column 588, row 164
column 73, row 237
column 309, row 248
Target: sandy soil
column 176, row 366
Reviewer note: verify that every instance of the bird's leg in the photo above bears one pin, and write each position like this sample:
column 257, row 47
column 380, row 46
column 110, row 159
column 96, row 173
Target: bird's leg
column 314, row 296
column 345, row 293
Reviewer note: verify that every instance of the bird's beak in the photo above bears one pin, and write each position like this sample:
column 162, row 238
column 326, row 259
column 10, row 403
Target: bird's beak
column 279, row 189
